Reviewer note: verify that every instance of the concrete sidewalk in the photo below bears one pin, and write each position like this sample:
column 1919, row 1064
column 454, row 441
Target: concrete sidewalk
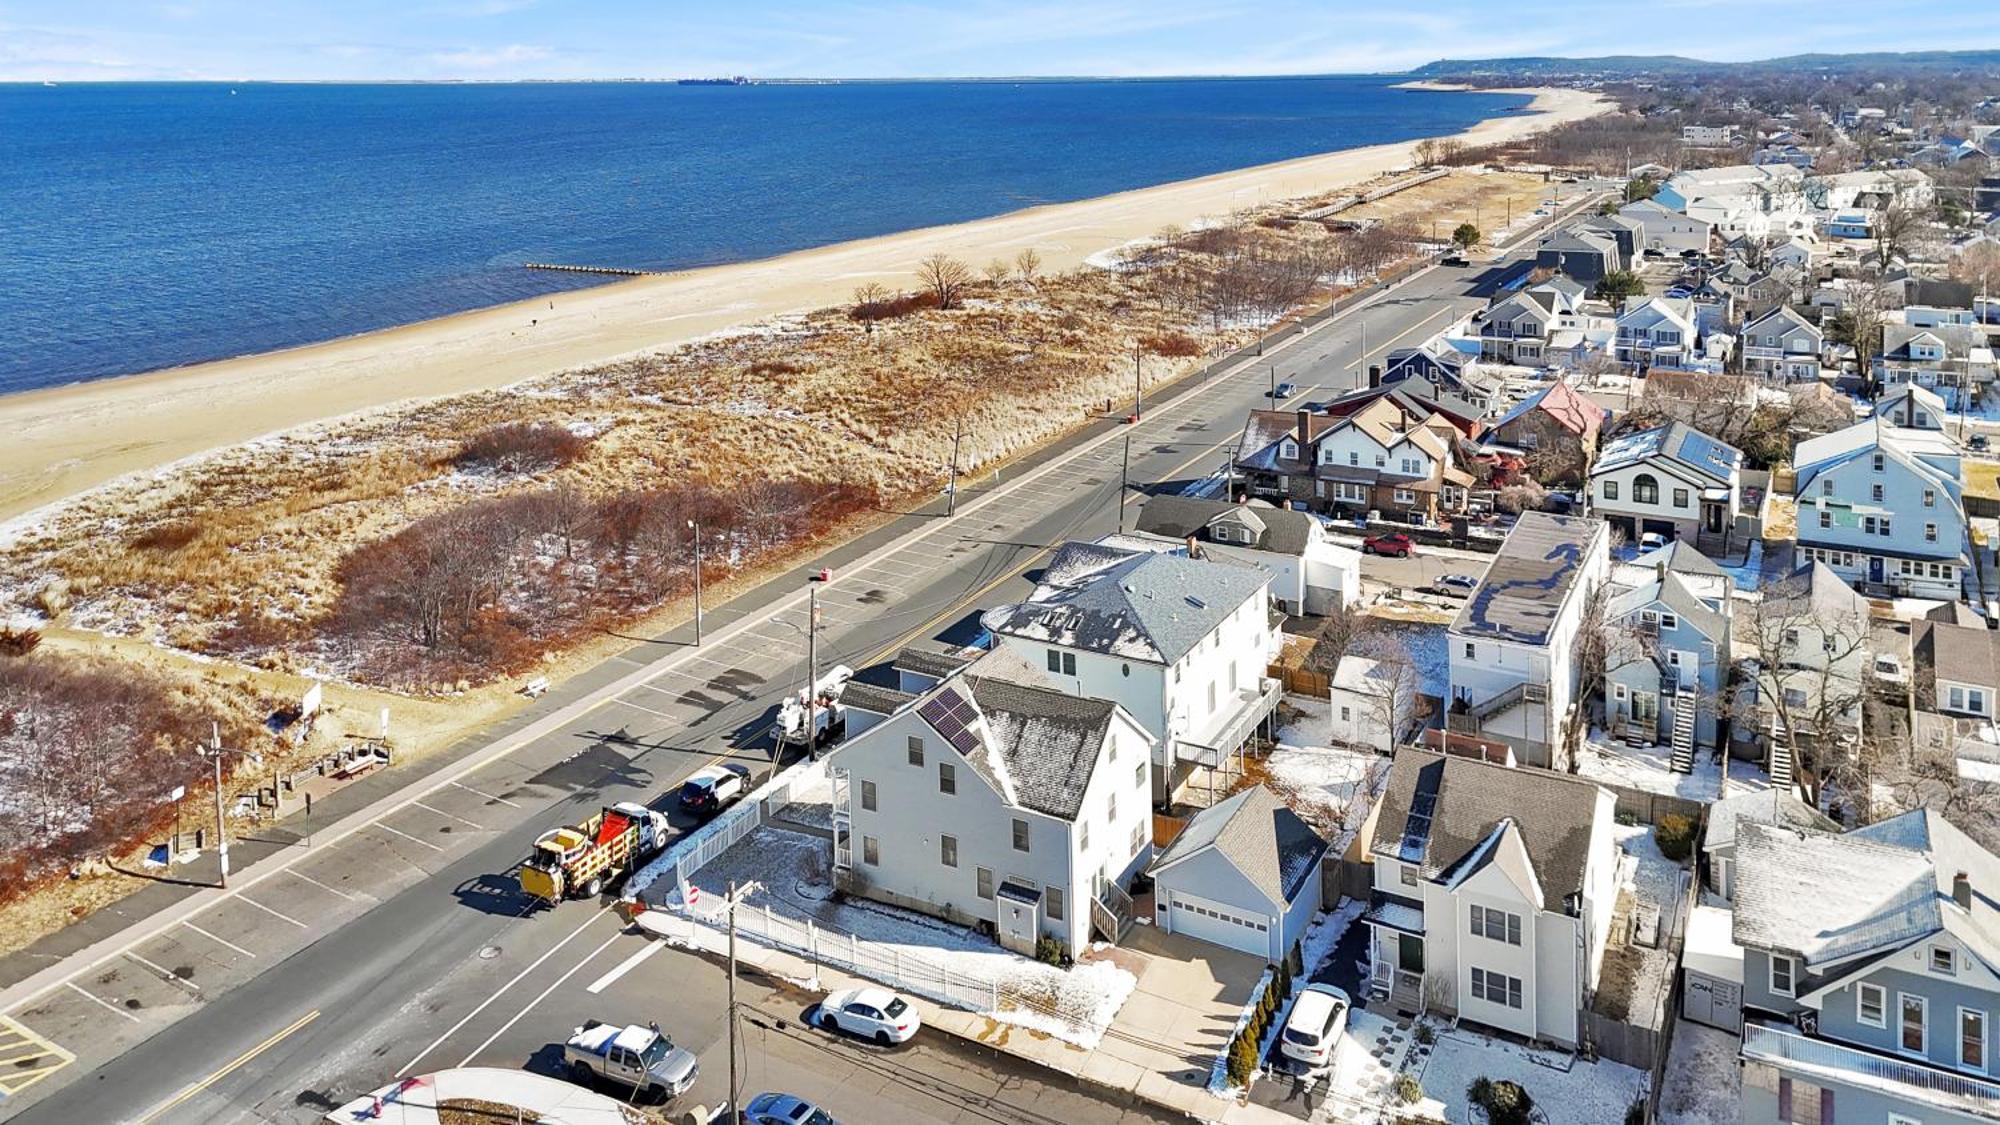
column 550, row 1100
column 1161, row 1071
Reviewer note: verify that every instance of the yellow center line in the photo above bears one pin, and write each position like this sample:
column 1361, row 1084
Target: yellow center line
column 197, row 1087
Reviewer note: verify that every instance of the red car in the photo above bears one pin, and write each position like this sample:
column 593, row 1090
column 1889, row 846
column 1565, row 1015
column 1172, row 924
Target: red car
column 1395, row 543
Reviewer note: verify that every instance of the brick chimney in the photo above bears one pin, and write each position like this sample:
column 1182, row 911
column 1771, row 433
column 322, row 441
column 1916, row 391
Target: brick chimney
column 1305, row 417
column 1374, row 375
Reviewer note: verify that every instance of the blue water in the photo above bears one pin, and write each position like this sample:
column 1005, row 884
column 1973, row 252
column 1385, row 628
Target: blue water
column 144, row 226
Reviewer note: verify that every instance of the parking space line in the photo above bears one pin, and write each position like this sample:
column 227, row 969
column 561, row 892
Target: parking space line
column 543, row 995
column 407, row 836
column 222, row 941
column 335, row 891
column 468, row 1017
column 101, row 1001
column 18, row 1071
column 272, row 913
column 625, row 966
column 449, row 816
column 468, row 789
column 624, row 702
column 165, row 975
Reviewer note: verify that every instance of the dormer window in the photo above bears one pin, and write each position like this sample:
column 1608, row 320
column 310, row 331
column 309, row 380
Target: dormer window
column 1783, row 979
column 1289, row 450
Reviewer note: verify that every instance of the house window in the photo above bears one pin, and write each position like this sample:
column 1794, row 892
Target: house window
column 947, row 778
column 1111, row 807
column 948, row 850
column 1930, row 533
column 1669, row 621
column 1972, row 1039
column 871, row 851
column 1645, row 489
column 1877, row 460
column 1611, row 490
column 1063, row 663
column 1496, row 988
column 1825, row 518
column 1871, row 1004
column 983, row 880
column 1618, row 691
column 1930, row 498
column 1139, row 774
column 1405, row 496
column 1868, row 525
column 1052, row 903
column 1875, row 493
column 1409, row 876
column 1781, row 975
column 1884, row 524
column 1020, row 835
column 1470, row 649
column 1353, row 458
column 868, row 796
column 1289, row 451
column 1916, row 1010
column 1138, row 836
column 1942, row 961
column 1496, row 925
column 1083, row 837
column 916, row 751
column 1680, row 497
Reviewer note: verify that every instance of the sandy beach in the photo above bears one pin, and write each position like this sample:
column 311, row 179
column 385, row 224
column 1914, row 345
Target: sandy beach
column 66, row 440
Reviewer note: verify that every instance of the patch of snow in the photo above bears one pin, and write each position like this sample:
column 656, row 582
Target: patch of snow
column 1646, row 769
column 1565, row 1089
column 1701, row 1083
column 1332, row 787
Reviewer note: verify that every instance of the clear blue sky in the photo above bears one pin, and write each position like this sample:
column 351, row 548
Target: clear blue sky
column 494, row 39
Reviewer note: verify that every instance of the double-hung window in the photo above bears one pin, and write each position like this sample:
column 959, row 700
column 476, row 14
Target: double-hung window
column 1972, row 1039
column 1871, row 1005
column 1783, row 978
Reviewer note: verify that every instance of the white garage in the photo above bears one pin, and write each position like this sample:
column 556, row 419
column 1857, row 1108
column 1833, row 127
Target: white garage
column 1712, row 970
column 1243, row 875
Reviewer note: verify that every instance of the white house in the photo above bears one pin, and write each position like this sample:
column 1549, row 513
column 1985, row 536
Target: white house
column 1512, row 645
column 1310, row 573
column 988, row 799
column 1493, row 893
column 1182, row 644
column 1783, row 344
column 1668, row 232
column 1885, row 506
column 1244, row 874
column 1911, row 406
column 1656, row 332
column 1673, row 480
column 1374, row 704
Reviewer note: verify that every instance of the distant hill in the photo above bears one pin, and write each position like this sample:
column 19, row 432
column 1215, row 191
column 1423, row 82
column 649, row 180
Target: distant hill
column 1640, row 65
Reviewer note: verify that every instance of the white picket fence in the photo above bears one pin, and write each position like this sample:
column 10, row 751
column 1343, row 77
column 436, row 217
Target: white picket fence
column 660, row 880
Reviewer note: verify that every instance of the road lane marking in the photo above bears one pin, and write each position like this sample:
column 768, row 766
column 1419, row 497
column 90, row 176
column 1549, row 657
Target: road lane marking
column 624, row 702
column 101, row 1002
column 222, row 941
column 272, row 913
column 625, row 966
column 488, row 796
column 197, row 1087
column 467, row 1018
column 543, row 995
column 410, row 838
column 449, row 816
column 165, row 974
column 336, row 891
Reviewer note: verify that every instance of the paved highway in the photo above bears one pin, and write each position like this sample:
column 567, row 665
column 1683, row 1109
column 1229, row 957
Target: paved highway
column 402, row 945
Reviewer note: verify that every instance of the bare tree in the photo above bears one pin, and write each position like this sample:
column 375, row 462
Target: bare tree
column 870, row 301
column 1398, row 686
column 998, row 271
column 1028, row 263
column 1339, row 633
column 946, row 277
column 1811, row 657
column 1897, row 226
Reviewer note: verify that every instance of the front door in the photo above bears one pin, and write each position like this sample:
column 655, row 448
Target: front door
column 1410, row 953
column 1645, row 708
column 1875, row 569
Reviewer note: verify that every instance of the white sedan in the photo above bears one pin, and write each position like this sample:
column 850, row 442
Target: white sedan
column 871, row 1013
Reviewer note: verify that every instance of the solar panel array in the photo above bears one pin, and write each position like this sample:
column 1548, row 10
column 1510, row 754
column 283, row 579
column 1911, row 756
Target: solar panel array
column 952, row 715
column 1417, row 829
column 1705, row 452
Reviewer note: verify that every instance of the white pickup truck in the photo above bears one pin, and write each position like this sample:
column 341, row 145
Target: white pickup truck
column 642, row 1058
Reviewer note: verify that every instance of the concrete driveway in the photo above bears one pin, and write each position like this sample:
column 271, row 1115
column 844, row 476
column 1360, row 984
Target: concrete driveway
column 1178, row 1018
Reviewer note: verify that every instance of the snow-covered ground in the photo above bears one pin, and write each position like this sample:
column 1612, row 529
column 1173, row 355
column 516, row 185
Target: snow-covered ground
column 1655, row 884
column 1646, row 768
column 1428, row 647
column 1701, row 1085
column 794, row 898
column 1330, row 786
column 1567, row 1092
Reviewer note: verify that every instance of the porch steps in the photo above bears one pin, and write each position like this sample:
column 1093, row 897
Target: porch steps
column 1683, row 756
column 1781, row 766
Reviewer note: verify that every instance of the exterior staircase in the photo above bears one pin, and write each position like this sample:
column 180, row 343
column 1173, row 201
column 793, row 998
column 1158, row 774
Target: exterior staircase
column 1111, row 912
column 1683, row 744
column 1781, row 765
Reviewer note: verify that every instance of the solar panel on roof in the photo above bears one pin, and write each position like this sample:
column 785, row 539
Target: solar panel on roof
column 952, row 716
column 1417, row 829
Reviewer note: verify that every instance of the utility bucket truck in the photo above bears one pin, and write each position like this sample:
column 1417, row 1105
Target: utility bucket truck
column 818, row 707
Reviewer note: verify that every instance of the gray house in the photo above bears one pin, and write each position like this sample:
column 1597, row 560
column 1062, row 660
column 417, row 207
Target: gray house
column 1000, row 803
column 1243, row 875
column 1667, row 660
column 1871, row 973
column 1768, row 806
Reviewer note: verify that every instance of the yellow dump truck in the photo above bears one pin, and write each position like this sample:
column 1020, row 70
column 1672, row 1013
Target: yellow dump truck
column 580, row 859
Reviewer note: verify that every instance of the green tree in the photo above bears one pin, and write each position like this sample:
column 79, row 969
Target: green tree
column 1640, row 187
column 1620, row 284
column 1466, row 236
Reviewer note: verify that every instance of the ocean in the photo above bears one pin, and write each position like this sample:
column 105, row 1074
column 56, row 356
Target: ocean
column 145, row 226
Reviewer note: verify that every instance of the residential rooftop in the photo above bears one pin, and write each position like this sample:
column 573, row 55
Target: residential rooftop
column 1530, row 579
column 1135, row 605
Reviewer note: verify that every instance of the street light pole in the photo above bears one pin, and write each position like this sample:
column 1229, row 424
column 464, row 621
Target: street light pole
column 1124, row 481
column 812, row 685
column 951, row 490
column 695, row 526
column 734, row 1112
column 1138, row 385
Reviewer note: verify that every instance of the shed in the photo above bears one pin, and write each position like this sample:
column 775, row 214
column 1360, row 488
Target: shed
column 1243, row 874
column 1712, row 970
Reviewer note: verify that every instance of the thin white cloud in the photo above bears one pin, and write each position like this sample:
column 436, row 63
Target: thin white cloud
column 489, row 58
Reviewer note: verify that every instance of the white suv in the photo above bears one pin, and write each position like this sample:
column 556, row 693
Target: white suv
column 1314, row 1029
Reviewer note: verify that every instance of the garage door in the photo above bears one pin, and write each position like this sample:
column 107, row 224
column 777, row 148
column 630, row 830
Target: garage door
column 1223, row 925
column 1717, row 1003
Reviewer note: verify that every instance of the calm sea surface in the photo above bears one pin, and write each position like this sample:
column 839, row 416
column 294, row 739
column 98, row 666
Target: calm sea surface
column 144, row 226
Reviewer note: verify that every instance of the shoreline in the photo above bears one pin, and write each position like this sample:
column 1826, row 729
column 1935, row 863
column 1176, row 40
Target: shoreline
column 71, row 438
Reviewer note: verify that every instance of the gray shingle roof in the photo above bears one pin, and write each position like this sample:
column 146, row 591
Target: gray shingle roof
column 1675, row 595
column 1132, row 604
column 1469, row 798
column 927, row 660
column 874, row 697
column 1285, row 532
column 1680, row 557
column 1969, row 655
column 1530, row 579
column 1770, row 806
column 1274, row 849
column 1677, row 440
column 1038, row 748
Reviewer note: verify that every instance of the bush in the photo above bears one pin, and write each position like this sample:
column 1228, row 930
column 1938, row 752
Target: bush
column 521, row 447
column 1175, row 344
column 1635, row 1114
column 1426, row 1034
column 1242, row 1059
column 1408, row 1090
column 1675, row 835
column 1052, row 951
column 1505, row 1102
column 19, row 642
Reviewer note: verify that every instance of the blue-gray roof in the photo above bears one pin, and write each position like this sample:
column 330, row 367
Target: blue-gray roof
column 1139, row 605
column 1530, row 579
column 1677, row 440
column 1274, row 849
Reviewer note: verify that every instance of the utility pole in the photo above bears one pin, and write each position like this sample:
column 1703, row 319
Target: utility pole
column 1274, row 384
column 215, row 753
column 1124, row 481
column 812, row 694
column 734, row 1087
column 1138, row 385
column 695, row 526
column 951, row 490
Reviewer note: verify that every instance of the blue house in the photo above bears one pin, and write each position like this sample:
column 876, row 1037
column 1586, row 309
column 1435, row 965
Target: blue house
column 1667, row 657
column 1871, row 973
column 1851, row 224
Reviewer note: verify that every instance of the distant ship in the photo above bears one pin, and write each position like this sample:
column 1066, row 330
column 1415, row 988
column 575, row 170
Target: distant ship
column 46, row 82
column 739, row 80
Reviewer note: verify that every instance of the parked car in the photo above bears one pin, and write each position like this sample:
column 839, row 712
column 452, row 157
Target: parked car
column 871, row 1013
column 642, row 1058
column 1889, row 669
column 1978, row 441
column 1458, row 260
column 1393, row 543
column 784, row 1109
column 1314, row 1029
column 1457, row 583
column 1284, row 390
column 711, row 789
column 1651, row 541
